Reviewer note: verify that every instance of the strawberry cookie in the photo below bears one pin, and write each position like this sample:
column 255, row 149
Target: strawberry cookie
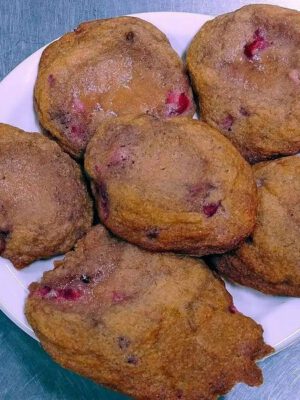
column 107, row 68
column 44, row 204
column 174, row 184
column 245, row 68
column 269, row 260
column 146, row 324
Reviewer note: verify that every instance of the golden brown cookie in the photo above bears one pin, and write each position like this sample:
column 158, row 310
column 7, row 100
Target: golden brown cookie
column 143, row 323
column 173, row 184
column 245, row 68
column 269, row 260
column 107, row 68
column 44, row 204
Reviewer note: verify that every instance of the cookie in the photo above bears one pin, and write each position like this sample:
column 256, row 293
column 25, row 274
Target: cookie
column 173, row 184
column 146, row 324
column 107, row 68
column 269, row 260
column 245, row 69
column 44, row 204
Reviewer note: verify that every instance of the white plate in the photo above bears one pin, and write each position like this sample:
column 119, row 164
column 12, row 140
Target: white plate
column 279, row 316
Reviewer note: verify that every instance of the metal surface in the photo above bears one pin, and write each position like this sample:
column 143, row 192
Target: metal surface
column 26, row 371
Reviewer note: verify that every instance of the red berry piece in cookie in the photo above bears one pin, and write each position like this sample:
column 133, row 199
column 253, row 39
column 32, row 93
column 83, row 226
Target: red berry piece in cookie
column 211, row 208
column 227, row 122
column 177, row 103
column 119, row 297
column 51, row 80
column 66, row 293
column 294, row 75
column 103, row 200
column 259, row 43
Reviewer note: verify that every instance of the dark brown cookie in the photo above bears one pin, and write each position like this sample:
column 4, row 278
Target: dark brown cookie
column 143, row 323
column 245, row 67
column 107, row 68
column 269, row 260
column 44, row 205
column 173, row 184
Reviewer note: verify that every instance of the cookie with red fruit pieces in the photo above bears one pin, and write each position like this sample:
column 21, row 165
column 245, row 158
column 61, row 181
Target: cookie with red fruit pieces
column 107, row 68
column 269, row 260
column 146, row 324
column 174, row 184
column 245, row 68
column 44, row 204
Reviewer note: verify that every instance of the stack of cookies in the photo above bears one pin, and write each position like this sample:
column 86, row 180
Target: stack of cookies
column 132, row 305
